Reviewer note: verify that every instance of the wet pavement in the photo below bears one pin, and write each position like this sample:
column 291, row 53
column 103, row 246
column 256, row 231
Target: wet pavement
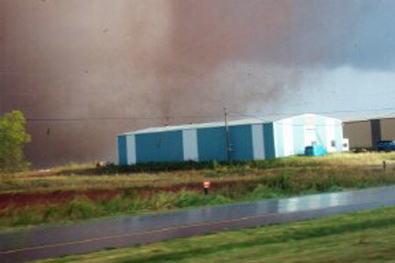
column 55, row 241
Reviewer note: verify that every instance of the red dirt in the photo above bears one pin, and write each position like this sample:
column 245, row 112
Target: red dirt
column 20, row 200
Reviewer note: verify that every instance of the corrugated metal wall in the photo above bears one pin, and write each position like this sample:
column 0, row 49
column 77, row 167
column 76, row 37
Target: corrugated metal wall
column 242, row 142
column 251, row 141
column 122, row 150
column 388, row 129
column 292, row 135
column 269, row 141
column 361, row 134
column 212, row 144
column 159, row 147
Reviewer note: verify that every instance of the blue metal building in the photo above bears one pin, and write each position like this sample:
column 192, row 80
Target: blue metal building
column 250, row 139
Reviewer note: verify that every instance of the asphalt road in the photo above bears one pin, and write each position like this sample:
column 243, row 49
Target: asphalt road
column 55, row 241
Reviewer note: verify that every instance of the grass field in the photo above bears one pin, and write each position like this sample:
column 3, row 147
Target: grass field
column 78, row 192
column 83, row 177
column 359, row 237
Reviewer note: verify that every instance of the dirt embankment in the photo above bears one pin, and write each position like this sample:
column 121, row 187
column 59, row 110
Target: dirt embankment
column 20, row 200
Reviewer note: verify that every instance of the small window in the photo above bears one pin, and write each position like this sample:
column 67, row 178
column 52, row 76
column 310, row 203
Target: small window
column 333, row 143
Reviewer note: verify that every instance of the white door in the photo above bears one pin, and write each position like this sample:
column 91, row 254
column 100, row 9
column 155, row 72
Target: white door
column 310, row 136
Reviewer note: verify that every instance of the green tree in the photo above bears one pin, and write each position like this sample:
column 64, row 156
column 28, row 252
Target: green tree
column 13, row 137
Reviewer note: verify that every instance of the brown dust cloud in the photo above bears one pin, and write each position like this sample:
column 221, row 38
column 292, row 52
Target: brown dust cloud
column 83, row 71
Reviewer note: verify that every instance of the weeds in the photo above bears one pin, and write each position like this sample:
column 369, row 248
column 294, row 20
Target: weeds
column 80, row 209
column 27, row 217
column 288, row 183
column 231, row 182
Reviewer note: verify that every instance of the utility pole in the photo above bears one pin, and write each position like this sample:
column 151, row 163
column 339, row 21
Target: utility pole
column 227, row 134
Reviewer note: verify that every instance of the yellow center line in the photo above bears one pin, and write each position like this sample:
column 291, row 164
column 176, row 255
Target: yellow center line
column 133, row 234
column 160, row 230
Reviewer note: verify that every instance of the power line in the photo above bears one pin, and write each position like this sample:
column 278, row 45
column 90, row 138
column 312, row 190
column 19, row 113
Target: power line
column 295, row 114
column 233, row 113
column 249, row 116
column 320, row 112
column 117, row 118
column 286, row 124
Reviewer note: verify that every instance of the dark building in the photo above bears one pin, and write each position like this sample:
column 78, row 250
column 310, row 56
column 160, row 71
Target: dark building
column 366, row 133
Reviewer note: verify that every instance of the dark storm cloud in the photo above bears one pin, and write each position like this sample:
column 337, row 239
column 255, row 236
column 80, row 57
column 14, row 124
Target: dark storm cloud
column 344, row 33
column 328, row 34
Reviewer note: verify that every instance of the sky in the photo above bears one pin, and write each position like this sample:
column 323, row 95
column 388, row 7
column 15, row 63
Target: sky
column 83, row 71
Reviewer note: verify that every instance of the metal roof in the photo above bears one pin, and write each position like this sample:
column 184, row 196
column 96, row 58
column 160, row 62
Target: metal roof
column 195, row 126
column 215, row 124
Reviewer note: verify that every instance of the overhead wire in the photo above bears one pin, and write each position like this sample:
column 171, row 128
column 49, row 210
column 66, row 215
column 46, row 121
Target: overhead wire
column 284, row 124
column 186, row 49
column 233, row 114
column 117, row 118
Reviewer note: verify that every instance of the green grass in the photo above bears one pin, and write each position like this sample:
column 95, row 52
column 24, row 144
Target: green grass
column 358, row 237
column 251, row 181
column 286, row 184
column 85, row 177
column 82, row 208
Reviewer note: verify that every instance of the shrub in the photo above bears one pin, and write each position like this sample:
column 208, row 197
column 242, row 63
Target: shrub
column 50, row 213
column 26, row 217
column 80, row 209
column 263, row 192
column 162, row 200
column 187, row 199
